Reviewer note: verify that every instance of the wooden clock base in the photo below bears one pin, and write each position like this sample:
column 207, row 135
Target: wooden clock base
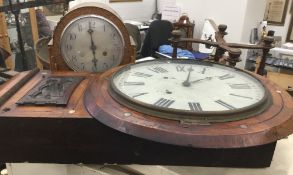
column 50, row 134
column 70, row 141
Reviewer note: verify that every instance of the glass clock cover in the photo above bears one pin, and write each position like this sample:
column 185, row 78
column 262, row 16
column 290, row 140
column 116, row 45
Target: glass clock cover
column 189, row 89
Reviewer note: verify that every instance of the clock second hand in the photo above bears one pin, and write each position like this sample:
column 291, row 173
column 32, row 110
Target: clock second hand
column 186, row 83
column 93, row 46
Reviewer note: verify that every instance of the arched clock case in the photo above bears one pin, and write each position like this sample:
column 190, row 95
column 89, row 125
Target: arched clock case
column 96, row 11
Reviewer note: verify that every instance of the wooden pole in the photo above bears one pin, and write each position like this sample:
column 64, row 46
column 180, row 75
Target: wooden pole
column 4, row 39
column 35, row 33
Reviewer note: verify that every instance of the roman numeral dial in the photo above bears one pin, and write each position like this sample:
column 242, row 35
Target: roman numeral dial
column 90, row 39
column 189, row 88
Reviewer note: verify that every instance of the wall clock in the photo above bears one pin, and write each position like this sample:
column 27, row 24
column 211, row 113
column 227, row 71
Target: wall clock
column 191, row 103
column 91, row 37
column 184, row 89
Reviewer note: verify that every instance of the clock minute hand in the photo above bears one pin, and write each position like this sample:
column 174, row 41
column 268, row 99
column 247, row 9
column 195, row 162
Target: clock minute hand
column 93, row 47
column 186, row 83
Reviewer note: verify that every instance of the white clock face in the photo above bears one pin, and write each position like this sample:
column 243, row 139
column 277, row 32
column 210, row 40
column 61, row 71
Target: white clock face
column 92, row 44
column 188, row 86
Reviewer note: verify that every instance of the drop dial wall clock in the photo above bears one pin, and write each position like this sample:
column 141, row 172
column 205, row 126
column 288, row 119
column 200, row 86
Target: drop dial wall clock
column 90, row 38
column 191, row 103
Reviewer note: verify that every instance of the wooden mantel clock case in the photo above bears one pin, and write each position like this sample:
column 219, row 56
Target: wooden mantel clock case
column 169, row 112
column 91, row 37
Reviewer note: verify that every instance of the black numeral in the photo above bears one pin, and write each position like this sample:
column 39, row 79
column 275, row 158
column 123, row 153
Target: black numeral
column 239, row 86
column 195, row 106
column 139, row 74
column 92, row 24
column 134, row 83
column 204, row 70
column 138, row 95
column 113, row 35
column 73, row 58
column 165, row 103
column 241, row 96
column 82, row 66
column 158, row 70
column 79, row 26
column 72, row 36
column 225, row 77
column 226, row 105
column 94, row 68
column 68, row 47
column 180, row 68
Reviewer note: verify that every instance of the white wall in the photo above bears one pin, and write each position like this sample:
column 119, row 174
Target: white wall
column 240, row 16
column 139, row 11
column 229, row 12
column 253, row 16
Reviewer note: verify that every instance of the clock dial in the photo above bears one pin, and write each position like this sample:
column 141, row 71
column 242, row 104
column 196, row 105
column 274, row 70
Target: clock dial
column 188, row 87
column 92, row 43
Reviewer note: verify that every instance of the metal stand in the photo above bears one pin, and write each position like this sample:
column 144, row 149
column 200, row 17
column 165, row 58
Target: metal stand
column 19, row 37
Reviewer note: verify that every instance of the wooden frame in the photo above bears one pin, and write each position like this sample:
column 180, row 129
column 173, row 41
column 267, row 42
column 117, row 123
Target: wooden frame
column 290, row 32
column 276, row 11
column 124, row 0
column 4, row 39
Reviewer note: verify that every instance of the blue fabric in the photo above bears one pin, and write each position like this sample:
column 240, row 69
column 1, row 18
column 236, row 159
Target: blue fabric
column 167, row 49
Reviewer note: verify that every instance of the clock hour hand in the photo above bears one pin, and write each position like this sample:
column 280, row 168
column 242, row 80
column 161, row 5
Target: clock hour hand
column 93, row 47
column 186, row 83
column 207, row 78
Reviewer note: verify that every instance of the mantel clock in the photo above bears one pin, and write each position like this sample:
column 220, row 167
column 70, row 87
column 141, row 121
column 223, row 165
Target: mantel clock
column 91, row 37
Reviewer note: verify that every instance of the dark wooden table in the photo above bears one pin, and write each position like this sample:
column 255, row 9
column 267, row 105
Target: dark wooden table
column 70, row 135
